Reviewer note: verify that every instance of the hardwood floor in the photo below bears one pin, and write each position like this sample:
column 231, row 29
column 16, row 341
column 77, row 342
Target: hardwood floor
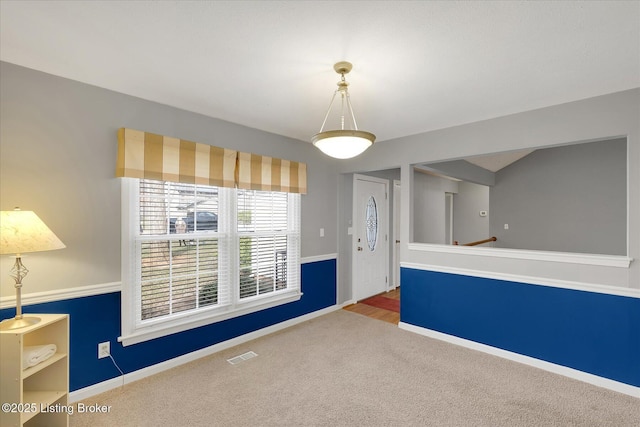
column 378, row 313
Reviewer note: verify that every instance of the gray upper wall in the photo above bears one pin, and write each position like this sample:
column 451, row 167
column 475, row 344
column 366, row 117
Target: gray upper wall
column 468, row 225
column 571, row 198
column 429, row 207
column 57, row 157
column 568, row 199
column 593, row 119
column 598, row 118
column 58, row 147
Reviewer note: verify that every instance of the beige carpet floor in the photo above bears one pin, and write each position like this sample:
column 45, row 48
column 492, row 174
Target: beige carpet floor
column 344, row 369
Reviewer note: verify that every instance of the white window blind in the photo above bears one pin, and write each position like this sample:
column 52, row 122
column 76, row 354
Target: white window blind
column 195, row 254
column 267, row 233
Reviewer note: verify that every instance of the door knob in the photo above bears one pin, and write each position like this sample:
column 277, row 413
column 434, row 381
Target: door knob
column 359, row 248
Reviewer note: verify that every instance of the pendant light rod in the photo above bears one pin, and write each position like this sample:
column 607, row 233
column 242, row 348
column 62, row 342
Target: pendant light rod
column 326, row 116
column 341, row 68
column 353, row 116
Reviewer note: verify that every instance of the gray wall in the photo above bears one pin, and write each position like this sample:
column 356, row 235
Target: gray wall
column 429, row 222
column 593, row 119
column 57, row 158
column 429, row 219
column 345, row 241
column 569, row 199
column 468, row 225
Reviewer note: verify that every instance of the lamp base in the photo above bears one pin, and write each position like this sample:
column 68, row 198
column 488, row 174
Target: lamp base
column 10, row 324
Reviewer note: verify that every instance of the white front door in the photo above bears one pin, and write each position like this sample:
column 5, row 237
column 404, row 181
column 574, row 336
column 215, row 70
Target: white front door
column 370, row 237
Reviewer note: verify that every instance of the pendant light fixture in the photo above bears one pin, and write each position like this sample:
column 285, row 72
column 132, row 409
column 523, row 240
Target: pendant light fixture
column 343, row 143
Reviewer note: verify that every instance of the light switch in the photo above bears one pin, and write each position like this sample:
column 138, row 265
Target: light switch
column 506, row 226
column 322, row 232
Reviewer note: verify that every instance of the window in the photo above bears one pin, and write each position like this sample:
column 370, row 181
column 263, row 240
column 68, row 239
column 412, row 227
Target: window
column 196, row 254
column 371, row 222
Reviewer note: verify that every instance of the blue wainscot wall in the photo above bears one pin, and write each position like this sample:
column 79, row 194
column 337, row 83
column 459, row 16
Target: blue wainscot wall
column 587, row 331
column 96, row 319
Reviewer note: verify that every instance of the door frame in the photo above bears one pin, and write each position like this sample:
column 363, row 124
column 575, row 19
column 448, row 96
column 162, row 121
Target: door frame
column 397, row 202
column 384, row 229
column 448, row 204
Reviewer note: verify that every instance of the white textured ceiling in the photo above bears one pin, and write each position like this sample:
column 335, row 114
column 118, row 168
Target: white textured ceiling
column 418, row 65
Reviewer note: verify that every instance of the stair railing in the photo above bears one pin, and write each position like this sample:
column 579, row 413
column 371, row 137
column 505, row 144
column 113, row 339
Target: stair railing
column 479, row 242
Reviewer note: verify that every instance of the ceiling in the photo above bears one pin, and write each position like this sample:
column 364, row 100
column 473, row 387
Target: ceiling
column 495, row 162
column 418, row 65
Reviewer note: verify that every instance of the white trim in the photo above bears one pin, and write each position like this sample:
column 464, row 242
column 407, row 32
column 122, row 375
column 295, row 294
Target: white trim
column 61, row 294
column 317, row 258
column 102, row 288
column 112, row 383
column 540, row 281
column 203, row 318
column 395, row 232
column 526, row 360
column 561, row 257
column 99, row 388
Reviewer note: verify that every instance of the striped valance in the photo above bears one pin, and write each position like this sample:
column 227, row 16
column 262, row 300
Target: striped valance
column 147, row 155
column 151, row 156
column 271, row 174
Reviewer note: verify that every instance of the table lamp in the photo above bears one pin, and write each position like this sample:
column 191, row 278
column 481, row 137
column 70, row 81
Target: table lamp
column 23, row 232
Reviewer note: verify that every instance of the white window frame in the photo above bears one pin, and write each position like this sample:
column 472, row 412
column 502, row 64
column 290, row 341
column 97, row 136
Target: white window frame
column 135, row 331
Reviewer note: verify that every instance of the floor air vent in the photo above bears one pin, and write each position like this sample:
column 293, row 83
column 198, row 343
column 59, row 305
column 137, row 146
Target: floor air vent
column 246, row 356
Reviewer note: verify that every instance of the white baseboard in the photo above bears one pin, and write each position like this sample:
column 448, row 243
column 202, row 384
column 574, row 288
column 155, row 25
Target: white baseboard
column 92, row 390
column 536, row 363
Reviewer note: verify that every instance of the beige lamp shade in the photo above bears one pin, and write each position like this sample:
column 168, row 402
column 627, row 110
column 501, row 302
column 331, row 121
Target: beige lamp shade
column 23, row 232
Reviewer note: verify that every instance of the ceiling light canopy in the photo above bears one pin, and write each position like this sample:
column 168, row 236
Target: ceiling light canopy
column 343, row 143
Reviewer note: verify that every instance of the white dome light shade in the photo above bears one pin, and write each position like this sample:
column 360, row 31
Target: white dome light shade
column 343, row 144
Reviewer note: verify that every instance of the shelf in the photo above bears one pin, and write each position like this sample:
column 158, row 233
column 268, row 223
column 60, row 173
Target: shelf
column 41, row 399
column 43, row 388
column 40, row 366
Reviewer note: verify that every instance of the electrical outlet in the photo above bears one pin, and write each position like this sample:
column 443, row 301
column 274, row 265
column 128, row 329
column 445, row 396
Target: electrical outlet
column 104, row 349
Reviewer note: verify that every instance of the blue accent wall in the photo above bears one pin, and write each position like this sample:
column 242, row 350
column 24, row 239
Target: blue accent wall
column 97, row 318
column 591, row 332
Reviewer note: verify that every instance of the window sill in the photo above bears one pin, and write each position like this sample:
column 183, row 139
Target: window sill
column 195, row 320
column 561, row 257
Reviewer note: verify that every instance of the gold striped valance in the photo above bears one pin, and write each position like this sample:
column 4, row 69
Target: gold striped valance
column 271, row 174
column 151, row 156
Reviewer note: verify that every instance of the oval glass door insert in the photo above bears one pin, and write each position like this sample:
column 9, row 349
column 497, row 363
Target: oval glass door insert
column 371, row 221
